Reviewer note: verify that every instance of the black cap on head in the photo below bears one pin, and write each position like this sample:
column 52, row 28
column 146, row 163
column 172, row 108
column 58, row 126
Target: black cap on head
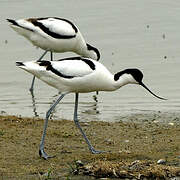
column 89, row 47
column 136, row 73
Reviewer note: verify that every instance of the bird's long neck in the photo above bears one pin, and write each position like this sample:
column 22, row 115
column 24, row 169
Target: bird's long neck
column 89, row 52
column 121, row 79
column 110, row 82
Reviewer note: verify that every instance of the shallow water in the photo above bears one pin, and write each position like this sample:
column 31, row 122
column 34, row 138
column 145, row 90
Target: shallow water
column 141, row 34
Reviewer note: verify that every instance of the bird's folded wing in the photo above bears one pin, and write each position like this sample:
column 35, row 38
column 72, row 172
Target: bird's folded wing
column 72, row 68
column 59, row 26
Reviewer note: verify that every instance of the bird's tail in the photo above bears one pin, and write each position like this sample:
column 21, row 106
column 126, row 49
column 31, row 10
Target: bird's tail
column 12, row 21
column 20, row 64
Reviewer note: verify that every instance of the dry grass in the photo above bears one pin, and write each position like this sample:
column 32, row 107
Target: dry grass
column 137, row 169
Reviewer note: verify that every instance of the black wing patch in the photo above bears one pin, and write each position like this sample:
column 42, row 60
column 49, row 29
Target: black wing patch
column 53, row 34
column 50, row 68
column 87, row 61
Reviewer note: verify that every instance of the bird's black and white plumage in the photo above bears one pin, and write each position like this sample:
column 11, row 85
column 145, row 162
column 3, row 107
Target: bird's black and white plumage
column 54, row 34
column 79, row 75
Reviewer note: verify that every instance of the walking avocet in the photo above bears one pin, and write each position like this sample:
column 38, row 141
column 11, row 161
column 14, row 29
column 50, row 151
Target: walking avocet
column 55, row 35
column 79, row 75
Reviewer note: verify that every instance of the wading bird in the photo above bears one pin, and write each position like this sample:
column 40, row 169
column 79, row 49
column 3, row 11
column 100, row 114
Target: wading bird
column 54, row 35
column 79, row 75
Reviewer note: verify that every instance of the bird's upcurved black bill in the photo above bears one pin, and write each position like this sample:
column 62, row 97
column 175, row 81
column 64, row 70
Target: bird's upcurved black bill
column 143, row 85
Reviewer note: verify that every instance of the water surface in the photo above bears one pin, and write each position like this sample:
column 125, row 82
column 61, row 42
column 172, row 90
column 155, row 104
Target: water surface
column 141, row 34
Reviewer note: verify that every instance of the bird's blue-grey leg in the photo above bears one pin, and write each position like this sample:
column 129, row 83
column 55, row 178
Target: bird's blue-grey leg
column 42, row 153
column 32, row 84
column 79, row 127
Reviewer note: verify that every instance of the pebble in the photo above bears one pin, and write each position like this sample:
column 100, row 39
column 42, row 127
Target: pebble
column 125, row 151
column 85, row 124
column 161, row 161
column 109, row 141
column 172, row 124
column 79, row 163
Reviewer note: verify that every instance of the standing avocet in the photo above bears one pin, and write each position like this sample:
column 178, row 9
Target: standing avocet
column 79, row 75
column 55, row 35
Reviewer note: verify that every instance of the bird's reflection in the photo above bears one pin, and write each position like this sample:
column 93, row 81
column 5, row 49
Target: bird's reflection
column 93, row 108
column 53, row 113
column 34, row 104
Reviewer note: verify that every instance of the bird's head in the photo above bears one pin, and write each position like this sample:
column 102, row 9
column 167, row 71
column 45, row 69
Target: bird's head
column 133, row 76
column 92, row 52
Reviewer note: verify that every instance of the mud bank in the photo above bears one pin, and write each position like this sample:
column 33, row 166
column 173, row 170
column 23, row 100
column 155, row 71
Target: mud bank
column 136, row 145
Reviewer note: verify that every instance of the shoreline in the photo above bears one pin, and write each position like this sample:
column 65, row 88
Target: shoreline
column 139, row 116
